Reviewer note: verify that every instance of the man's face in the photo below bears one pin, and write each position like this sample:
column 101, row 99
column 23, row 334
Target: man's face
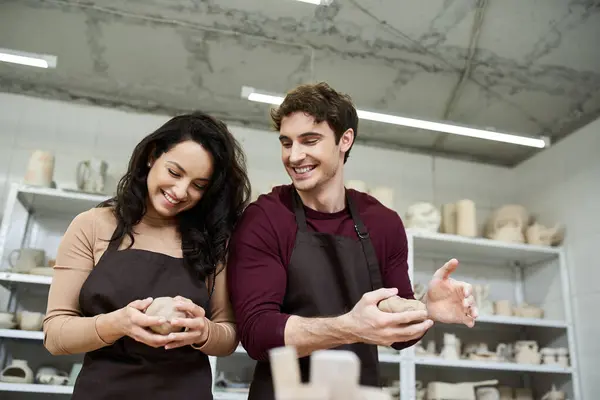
column 309, row 152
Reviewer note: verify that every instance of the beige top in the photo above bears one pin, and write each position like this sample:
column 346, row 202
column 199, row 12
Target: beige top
column 66, row 331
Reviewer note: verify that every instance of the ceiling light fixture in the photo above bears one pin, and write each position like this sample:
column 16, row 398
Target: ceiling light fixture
column 275, row 99
column 317, row 2
column 29, row 59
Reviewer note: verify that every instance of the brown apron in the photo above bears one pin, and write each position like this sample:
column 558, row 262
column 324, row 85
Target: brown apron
column 129, row 369
column 326, row 276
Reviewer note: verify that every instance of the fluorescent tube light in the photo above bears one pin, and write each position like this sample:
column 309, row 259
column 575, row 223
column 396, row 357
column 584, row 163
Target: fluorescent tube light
column 317, row 2
column 29, row 59
column 274, row 99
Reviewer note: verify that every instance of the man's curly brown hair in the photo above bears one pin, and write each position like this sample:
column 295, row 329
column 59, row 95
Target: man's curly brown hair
column 323, row 103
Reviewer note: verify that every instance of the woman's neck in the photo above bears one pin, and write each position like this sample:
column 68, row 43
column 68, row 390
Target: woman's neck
column 152, row 218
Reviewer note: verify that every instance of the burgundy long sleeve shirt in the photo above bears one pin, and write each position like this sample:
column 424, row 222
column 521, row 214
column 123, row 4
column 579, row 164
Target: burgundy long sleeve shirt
column 261, row 248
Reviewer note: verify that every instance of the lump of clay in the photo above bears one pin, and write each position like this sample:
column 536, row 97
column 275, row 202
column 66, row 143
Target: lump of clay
column 164, row 307
column 397, row 304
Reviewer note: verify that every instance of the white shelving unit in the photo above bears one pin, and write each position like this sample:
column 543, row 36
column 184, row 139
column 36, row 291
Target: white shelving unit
column 37, row 217
column 517, row 272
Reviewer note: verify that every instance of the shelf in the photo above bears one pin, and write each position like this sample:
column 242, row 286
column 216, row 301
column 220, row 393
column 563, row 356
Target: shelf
column 35, row 388
column 499, row 319
column 25, row 278
column 222, row 395
column 389, row 358
column 18, row 334
column 50, row 201
column 480, row 249
column 491, row 365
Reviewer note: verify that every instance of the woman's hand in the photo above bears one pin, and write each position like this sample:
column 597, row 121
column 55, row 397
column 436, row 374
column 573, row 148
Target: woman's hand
column 196, row 325
column 131, row 321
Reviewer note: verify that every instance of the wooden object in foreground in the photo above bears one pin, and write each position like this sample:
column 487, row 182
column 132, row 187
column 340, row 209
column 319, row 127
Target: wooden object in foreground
column 334, row 375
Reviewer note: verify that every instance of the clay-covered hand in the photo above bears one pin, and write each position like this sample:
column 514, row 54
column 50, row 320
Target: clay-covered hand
column 448, row 300
column 369, row 324
column 195, row 324
column 132, row 321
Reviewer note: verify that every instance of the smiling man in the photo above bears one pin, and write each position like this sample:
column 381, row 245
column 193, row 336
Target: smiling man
column 310, row 261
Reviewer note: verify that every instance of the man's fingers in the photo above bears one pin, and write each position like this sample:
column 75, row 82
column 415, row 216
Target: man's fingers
column 405, row 317
column 445, row 271
column 378, row 295
column 469, row 302
column 410, row 332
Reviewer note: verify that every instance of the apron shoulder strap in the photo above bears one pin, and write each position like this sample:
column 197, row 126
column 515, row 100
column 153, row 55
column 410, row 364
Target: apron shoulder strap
column 299, row 211
column 367, row 246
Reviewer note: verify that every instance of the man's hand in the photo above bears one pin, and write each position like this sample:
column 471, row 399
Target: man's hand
column 370, row 325
column 448, row 300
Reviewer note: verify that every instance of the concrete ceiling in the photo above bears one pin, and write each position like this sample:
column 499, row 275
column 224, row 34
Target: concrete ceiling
column 523, row 66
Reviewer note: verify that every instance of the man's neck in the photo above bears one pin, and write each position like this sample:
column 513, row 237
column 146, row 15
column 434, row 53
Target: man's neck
column 329, row 198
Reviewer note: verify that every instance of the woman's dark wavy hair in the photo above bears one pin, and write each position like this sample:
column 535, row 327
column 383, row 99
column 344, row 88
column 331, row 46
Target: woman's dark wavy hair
column 206, row 228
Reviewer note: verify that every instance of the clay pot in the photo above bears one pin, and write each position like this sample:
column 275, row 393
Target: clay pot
column 397, row 304
column 164, row 307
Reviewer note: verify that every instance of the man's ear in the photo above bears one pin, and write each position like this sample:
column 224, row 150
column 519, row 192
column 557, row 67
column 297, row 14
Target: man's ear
column 346, row 140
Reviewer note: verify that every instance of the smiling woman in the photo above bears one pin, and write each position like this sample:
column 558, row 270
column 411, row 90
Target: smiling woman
column 164, row 234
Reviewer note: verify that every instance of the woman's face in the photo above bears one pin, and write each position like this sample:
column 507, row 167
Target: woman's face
column 178, row 178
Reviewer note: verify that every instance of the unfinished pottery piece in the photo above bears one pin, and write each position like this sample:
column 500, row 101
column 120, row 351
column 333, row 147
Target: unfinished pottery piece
column 503, row 307
column 554, row 394
column 504, row 352
column 30, row 321
column 458, row 391
column 397, row 304
column 448, row 224
column 451, row 347
column 17, row 372
column 528, row 311
column 487, row 393
column 7, row 320
column 479, row 352
column 484, row 305
column 539, row 234
column 164, row 307
column 466, row 221
column 526, row 352
column 423, row 217
column 51, row 376
column 508, row 224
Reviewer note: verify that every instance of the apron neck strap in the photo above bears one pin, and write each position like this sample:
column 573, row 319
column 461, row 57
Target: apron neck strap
column 299, row 211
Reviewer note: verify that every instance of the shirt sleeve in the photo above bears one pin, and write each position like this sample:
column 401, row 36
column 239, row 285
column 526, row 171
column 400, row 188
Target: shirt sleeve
column 66, row 331
column 395, row 270
column 257, row 284
column 222, row 335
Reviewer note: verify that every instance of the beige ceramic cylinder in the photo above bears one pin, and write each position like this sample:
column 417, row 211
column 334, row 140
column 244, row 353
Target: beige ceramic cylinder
column 40, row 169
column 448, row 218
column 466, row 222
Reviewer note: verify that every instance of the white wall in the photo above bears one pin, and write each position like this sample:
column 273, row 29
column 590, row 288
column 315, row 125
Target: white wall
column 562, row 185
column 76, row 132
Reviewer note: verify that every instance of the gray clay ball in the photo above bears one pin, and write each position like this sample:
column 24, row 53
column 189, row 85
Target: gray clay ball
column 164, row 307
